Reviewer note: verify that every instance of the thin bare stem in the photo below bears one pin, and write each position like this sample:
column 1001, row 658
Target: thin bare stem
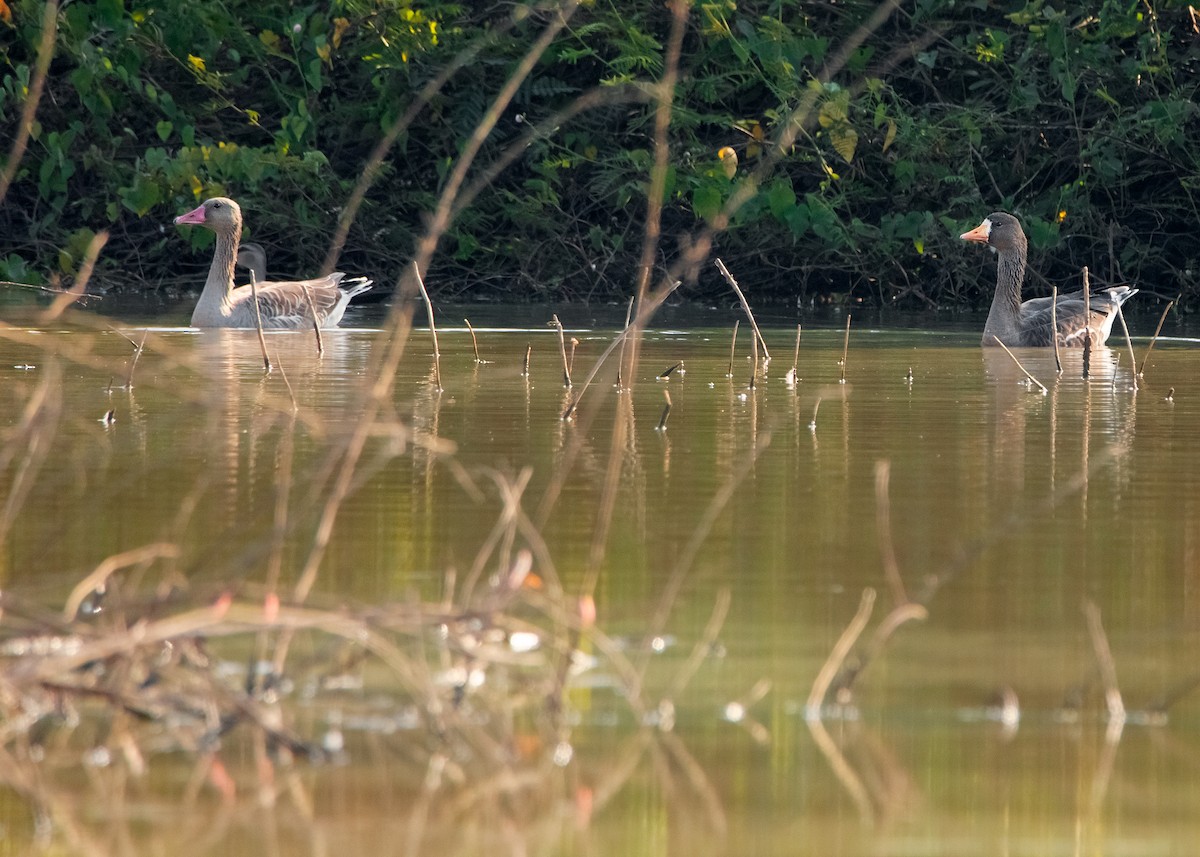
column 312, row 310
column 733, row 348
column 1087, row 327
column 1105, row 662
column 437, row 354
column 525, row 365
column 137, row 352
column 1022, row 368
column 562, row 347
column 883, row 526
column 60, row 303
column 1129, row 344
column 1157, row 330
column 262, row 340
column 624, row 340
column 1054, row 327
column 845, row 350
column 745, row 305
column 37, row 83
column 662, row 421
column 474, row 341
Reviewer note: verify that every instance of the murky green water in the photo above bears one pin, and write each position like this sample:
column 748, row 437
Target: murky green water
column 740, row 541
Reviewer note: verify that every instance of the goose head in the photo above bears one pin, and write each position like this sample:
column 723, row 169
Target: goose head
column 220, row 214
column 1000, row 231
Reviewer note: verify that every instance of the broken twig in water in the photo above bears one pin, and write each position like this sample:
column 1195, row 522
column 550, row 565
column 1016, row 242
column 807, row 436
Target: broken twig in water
column 437, row 355
column 662, row 421
column 525, row 366
column 571, row 362
column 312, row 309
column 1162, row 318
column 562, row 347
column 1022, row 368
column 753, row 363
column 670, row 370
column 745, row 306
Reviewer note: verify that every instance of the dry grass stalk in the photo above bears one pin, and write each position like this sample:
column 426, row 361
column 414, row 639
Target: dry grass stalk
column 1087, row 329
column 574, row 345
column 474, row 341
column 845, row 350
column 624, row 340
column 753, row 363
column 262, row 340
column 562, row 348
column 1054, row 328
column 312, row 311
column 33, row 98
column 733, row 348
column 1129, row 344
column 64, row 299
column 793, row 374
column 525, row 364
column 666, row 374
column 437, row 354
column 1157, row 330
column 745, row 306
column 1034, row 380
column 662, row 421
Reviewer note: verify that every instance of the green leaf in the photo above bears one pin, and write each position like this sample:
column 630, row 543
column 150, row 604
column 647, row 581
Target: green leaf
column 706, row 202
column 781, row 198
column 164, row 129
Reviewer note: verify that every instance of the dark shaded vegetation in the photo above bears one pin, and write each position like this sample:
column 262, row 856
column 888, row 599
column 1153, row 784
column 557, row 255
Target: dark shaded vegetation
column 1080, row 119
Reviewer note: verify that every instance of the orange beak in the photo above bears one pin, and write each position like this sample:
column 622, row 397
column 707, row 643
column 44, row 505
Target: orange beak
column 979, row 234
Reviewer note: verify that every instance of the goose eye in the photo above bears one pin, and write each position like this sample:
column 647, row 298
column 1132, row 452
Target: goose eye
column 216, row 205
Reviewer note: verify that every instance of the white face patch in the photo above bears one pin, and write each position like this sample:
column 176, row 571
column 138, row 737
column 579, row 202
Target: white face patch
column 987, row 227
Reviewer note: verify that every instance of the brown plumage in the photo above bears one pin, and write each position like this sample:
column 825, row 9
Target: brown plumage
column 283, row 305
column 1015, row 323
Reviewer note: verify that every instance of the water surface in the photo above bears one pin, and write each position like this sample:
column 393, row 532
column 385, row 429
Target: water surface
column 980, row 729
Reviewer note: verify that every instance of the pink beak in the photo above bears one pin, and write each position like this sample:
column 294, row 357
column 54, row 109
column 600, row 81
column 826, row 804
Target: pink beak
column 194, row 217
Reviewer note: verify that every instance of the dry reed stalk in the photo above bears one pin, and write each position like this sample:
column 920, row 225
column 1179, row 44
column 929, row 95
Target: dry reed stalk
column 525, row 365
column 31, row 438
column 379, row 153
column 666, row 374
column 664, row 92
column 1054, row 327
column 437, row 354
column 753, row 363
column 701, row 532
column 1087, row 328
column 1129, row 345
column 1158, row 329
column 1105, row 663
column 312, row 311
column 571, row 362
column 86, row 267
column 262, row 340
column 745, row 305
column 845, row 350
column 883, row 528
column 794, row 375
column 812, row 425
column 838, row 763
column 138, row 348
column 33, row 98
column 1022, row 368
column 474, row 341
column 624, row 339
column 662, row 421
column 562, row 348
column 110, row 566
column 733, row 348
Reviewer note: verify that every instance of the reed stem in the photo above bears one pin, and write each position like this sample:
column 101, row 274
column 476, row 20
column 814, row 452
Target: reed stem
column 1162, row 318
column 745, row 306
column 562, row 347
column 437, row 354
column 262, row 340
column 474, row 341
column 1023, row 369
column 1054, row 327
column 662, row 421
column 733, row 348
column 845, row 350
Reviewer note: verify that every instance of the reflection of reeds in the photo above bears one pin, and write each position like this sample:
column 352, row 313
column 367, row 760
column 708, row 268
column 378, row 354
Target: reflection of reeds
column 733, row 348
